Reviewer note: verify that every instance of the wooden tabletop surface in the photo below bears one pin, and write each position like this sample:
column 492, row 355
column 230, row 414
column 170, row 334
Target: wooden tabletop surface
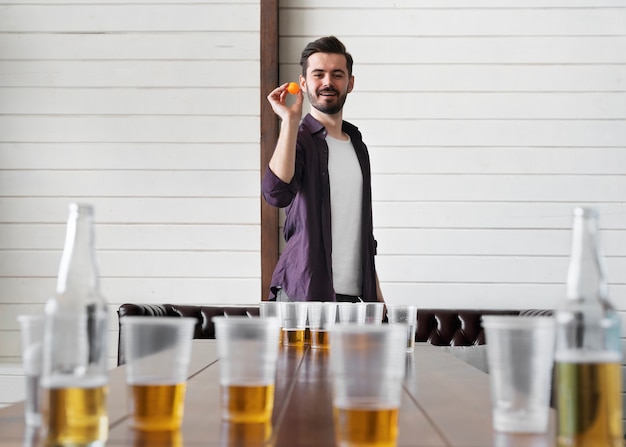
column 445, row 403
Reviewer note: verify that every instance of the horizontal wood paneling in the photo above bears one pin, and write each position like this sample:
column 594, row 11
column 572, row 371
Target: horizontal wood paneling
column 419, row 22
column 182, row 73
column 475, row 49
column 494, row 132
column 166, row 53
column 488, row 241
column 494, row 105
column 130, row 101
column 139, row 236
column 202, row 290
column 129, row 183
column 130, row 128
column 131, row 156
column 498, row 160
column 130, row 17
column 493, row 77
column 136, row 210
column 484, row 269
column 149, row 110
column 142, row 263
column 495, row 187
column 436, row 295
column 491, row 215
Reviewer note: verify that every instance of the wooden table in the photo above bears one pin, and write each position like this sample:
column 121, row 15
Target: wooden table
column 445, row 403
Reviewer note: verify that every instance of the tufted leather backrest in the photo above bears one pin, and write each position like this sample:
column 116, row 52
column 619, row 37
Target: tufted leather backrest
column 203, row 314
column 453, row 327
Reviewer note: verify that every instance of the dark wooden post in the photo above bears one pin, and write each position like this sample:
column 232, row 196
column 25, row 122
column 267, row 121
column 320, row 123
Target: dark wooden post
column 269, row 132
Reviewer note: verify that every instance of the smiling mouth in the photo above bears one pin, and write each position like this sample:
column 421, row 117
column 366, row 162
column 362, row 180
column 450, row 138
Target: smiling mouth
column 328, row 93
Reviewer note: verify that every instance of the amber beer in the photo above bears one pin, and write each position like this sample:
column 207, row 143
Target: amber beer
column 247, row 403
column 371, row 427
column 320, row 339
column 157, row 406
column 75, row 416
column 293, row 337
column 589, row 404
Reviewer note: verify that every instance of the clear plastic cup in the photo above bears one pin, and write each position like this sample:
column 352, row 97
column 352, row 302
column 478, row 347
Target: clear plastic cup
column 367, row 368
column 322, row 317
column 374, row 312
column 32, row 330
column 520, row 354
column 158, row 350
column 271, row 309
column 406, row 315
column 293, row 315
column 351, row 313
column 248, row 353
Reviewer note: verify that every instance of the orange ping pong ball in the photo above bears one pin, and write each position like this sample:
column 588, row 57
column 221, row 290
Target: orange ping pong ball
column 293, row 88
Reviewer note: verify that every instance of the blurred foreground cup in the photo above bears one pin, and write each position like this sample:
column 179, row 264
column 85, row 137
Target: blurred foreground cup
column 367, row 364
column 31, row 327
column 406, row 315
column 158, row 350
column 248, row 353
column 520, row 353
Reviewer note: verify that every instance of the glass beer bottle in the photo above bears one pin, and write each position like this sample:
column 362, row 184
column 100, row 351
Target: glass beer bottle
column 74, row 378
column 588, row 351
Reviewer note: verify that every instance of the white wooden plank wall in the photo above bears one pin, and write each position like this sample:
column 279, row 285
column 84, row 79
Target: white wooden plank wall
column 149, row 110
column 487, row 122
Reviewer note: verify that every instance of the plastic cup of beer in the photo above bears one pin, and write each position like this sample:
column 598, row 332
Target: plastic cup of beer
column 520, row 355
column 353, row 313
column 367, row 365
column 374, row 312
column 32, row 329
column 293, row 315
column 406, row 315
column 307, row 324
column 158, row 350
column 248, row 354
column 322, row 317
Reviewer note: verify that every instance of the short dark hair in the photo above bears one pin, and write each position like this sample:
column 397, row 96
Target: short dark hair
column 329, row 44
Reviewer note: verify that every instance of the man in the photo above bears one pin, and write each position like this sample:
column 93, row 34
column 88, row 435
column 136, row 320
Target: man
column 320, row 174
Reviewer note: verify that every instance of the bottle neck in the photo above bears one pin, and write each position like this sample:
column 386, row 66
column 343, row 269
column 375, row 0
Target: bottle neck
column 586, row 278
column 78, row 271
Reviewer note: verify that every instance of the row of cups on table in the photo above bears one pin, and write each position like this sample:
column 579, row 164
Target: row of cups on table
column 310, row 322
column 367, row 359
column 367, row 366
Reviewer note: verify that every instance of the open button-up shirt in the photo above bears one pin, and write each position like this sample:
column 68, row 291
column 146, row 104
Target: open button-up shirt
column 304, row 269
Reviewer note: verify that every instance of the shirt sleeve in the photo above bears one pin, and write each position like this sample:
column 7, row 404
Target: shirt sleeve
column 275, row 191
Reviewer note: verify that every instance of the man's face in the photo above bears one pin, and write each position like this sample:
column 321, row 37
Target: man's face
column 327, row 82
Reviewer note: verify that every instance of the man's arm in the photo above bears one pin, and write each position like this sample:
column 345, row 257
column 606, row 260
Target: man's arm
column 283, row 159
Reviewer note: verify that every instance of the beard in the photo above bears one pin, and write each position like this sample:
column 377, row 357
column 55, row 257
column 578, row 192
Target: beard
column 330, row 108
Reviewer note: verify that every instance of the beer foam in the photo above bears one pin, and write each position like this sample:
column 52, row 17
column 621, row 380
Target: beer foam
column 585, row 356
column 69, row 381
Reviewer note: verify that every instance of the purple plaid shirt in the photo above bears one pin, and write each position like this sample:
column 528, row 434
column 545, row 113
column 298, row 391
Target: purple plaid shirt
column 304, row 269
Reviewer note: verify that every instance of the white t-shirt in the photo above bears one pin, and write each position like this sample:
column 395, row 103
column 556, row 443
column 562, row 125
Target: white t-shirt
column 346, row 195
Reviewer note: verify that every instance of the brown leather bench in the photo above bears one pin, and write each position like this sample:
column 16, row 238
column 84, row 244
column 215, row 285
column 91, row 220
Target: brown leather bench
column 203, row 314
column 440, row 327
